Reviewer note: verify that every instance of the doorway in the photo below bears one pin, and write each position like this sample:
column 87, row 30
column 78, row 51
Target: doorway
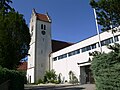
column 86, row 76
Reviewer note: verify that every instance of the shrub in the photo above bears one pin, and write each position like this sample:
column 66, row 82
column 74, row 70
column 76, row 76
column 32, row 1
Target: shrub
column 16, row 78
column 50, row 76
column 72, row 77
column 59, row 78
column 39, row 81
column 106, row 71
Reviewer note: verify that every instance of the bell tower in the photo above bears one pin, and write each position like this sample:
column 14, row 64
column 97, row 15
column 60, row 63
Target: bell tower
column 40, row 46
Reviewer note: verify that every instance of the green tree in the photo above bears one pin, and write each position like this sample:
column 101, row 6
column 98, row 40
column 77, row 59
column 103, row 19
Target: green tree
column 14, row 39
column 5, row 7
column 106, row 69
column 108, row 13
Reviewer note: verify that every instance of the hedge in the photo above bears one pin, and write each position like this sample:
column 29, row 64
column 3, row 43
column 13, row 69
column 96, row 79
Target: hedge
column 106, row 71
column 17, row 79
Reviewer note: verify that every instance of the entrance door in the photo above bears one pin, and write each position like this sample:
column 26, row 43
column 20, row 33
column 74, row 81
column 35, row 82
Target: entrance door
column 86, row 75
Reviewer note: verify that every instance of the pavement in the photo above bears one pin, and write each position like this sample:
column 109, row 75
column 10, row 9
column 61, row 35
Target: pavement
column 60, row 87
column 88, row 86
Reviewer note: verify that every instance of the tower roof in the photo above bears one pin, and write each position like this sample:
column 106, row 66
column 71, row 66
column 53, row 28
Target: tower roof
column 42, row 17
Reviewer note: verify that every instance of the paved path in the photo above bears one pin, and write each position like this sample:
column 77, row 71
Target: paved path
column 88, row 86
column 60, row 87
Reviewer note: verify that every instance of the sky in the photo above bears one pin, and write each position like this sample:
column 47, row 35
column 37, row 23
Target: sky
column 72, row 20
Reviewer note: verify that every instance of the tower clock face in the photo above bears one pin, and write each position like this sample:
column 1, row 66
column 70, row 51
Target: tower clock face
column 43, row 32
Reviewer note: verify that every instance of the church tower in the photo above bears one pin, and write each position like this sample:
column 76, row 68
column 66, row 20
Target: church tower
column 40, row 46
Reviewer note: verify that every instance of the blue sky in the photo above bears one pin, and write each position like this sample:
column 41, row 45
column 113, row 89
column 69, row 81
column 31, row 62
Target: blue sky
column 72, row 20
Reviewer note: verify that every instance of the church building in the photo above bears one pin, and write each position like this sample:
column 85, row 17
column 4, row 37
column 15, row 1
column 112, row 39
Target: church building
column 46, row 54
column 41, row 46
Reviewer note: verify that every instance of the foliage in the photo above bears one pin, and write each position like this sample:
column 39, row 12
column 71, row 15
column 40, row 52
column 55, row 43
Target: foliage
column 40, row 81
column 16, row 78
column 115, row 47
column 106, row 69
column 50, row 76
column 14, row 37
column 59, row 78
column 72, row 77
column 5, row 7
column 108, row 12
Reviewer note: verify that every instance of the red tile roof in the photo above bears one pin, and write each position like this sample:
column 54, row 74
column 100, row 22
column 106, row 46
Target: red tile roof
column 22, row 66
column 42, row 17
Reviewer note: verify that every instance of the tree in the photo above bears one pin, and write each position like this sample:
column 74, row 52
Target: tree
column 4, row 6
column 106, row 69
column 14, row 39
column 108, row 13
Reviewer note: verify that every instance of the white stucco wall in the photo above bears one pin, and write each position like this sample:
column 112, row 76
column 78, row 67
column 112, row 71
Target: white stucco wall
column 31, row 52
column 40, row 49
column 65, row 65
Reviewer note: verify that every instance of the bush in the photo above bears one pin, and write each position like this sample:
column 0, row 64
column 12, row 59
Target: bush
column 40, row 81
column 50, row 76
column 73, row 78
column 106, row 71
column 17, row 79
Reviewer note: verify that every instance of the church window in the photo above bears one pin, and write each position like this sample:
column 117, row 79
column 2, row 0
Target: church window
column 41, row 65
column 41, row 51
column 44, row 27
column 106, row 41
column 74, row 52
column 55, row 59
column 31, row 28
column 87, row 48
column 62, row 56
column 31, row 31
column 93, row 46
column 116, row 38
column 41, row 26
column 43, row 39
column 43, row 32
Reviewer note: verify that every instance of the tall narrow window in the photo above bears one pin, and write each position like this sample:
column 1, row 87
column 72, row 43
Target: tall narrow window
column 44, row 27
column 43, row 39
column 93, row 46
column 31, row 28
column 116, row 38
column 41, row 51
column 41, row 26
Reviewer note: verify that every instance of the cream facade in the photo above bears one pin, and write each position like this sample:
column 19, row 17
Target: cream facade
column 73, row 58
column 76, row 58
column 40, row 46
